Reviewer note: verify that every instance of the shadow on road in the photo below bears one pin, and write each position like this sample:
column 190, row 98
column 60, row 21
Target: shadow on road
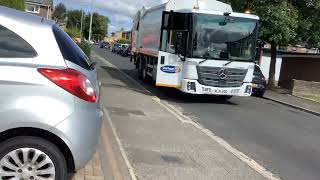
column 169, row 94
column 115, row 74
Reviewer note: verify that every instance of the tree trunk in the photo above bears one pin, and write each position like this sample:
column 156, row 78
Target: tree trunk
column 271, row 82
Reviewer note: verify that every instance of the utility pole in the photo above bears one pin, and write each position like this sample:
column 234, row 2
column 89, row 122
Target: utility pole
column 81, row 25
column 90, row 28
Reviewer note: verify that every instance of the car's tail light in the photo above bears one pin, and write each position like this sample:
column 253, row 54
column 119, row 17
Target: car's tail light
column 72, row 81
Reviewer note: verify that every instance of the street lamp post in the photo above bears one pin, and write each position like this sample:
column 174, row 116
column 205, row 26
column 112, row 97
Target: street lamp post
column 77, row 25
column 81, row 25
column 90, row 28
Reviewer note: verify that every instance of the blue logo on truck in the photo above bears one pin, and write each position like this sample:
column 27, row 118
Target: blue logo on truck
column 170, row 69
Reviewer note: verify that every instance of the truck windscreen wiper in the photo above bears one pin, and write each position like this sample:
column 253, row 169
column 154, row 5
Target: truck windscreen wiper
column 230, row 61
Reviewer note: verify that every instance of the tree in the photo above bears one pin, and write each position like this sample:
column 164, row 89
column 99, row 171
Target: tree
column 74, row 19
column 309, row 16
column 279, row 24
column 60, row 12
column 123, row 41
column 15, row 4
column 99, row 26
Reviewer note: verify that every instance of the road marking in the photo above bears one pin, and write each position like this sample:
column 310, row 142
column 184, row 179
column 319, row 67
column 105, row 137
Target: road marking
column 123, row 153
column 184, row 119
column 107, row 115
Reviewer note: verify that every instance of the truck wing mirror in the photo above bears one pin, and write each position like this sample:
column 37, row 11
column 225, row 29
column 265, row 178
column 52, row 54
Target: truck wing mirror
column 260, row 43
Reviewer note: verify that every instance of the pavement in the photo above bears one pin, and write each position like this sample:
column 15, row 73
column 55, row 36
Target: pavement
column 283, row 139
column 292, row 101
column 156, row 145
column 92, row 171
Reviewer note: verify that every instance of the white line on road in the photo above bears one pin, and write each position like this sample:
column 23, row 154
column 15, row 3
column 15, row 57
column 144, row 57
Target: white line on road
column 123, row 153
column 106, row 112
column 184, row 119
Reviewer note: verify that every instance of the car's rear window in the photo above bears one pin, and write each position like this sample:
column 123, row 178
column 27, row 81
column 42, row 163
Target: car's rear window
column 13, row 46
column 69, row 49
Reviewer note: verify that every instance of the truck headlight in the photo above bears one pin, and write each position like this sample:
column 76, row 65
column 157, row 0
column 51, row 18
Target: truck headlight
column 248, row 89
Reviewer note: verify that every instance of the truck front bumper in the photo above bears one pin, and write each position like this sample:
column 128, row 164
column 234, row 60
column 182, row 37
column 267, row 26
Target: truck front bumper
column 194, row 87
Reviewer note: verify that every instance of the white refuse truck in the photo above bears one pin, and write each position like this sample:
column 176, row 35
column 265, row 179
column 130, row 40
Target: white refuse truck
column 196, row 46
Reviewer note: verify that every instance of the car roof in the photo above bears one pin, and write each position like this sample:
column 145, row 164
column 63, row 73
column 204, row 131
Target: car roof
column 16, row 16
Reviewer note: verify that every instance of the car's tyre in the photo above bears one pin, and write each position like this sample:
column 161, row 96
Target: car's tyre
column 260, row 94
column 26, row 157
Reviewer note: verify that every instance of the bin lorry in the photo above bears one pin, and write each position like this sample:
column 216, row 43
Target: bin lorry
column 196, row 46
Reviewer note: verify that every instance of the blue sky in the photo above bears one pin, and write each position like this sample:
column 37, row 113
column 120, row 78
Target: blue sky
column 120, row 12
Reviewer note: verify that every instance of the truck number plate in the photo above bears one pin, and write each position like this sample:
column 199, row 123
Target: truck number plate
column 219, row 91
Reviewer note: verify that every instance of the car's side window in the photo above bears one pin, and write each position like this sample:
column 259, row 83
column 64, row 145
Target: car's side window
column 13, row 46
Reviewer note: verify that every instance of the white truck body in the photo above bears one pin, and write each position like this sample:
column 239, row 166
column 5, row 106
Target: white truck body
column 220, row 46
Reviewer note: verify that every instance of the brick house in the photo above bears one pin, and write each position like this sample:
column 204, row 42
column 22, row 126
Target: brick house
column 41, row 8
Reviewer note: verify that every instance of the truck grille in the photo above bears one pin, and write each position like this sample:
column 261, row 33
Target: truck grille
column 212, row 76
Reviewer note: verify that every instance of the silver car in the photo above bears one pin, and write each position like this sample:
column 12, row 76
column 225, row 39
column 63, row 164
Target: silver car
column 50, row 116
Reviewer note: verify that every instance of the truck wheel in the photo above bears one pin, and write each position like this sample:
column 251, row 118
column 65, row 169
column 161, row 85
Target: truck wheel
column 144, row 75
column 224, row 98
column 28, row 157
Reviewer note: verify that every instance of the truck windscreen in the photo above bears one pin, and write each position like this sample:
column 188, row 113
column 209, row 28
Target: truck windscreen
column 224, row 37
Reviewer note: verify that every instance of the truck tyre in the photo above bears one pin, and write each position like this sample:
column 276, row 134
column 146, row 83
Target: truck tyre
column 27, row 157
column 224, row 97
column 144, row 70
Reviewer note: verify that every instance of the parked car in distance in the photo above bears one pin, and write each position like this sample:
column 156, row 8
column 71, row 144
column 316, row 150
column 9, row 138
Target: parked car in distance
column 127, row 52
column 103, row 44
column 50, row 116
column 259, row 83
column 123, row 47
column 116, row 47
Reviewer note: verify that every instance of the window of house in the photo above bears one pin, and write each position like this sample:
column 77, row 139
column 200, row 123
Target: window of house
column 33, row 8
column 13, row 46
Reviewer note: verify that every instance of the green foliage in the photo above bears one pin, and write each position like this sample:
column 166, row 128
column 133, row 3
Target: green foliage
column 279, row 22
column 309, row 18
column 74, row 33
column 99, row 26
column 15, row 4
column 74, row 19
column 285, row 21
column 60, row 12
column 86, row 47
column 123, row 41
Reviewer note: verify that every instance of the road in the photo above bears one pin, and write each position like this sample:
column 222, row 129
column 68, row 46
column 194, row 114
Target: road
column 284, row 140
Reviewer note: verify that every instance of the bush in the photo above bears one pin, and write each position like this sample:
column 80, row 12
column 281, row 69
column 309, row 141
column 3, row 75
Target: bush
column 123, row 41
column 73, row 33
column 86, row 48
column 15, row 4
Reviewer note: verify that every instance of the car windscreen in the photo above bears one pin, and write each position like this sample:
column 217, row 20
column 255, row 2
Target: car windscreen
column 257, row 71
column 69, row 49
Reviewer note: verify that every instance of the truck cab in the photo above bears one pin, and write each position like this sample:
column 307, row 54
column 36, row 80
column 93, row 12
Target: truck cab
column 203, row 49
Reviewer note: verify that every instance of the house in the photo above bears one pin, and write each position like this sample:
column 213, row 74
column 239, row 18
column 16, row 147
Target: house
column 292, row 65
column 115, row 36
column 126, row 35
column 41, row 8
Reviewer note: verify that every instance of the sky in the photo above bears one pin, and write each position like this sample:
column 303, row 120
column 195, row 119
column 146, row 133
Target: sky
column 120, row 12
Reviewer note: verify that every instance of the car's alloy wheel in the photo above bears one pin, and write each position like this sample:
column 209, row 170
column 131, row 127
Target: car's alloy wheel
column 28, row 158
column 27, row 163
